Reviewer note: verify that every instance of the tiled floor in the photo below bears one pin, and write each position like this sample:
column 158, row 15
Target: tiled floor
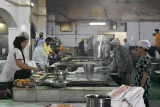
column 155, row 103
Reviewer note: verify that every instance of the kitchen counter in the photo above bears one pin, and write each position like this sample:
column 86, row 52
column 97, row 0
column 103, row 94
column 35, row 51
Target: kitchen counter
column 67, row 94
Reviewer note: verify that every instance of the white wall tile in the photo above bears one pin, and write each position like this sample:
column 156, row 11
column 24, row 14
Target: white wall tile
column 24, row 10
column 141, row 30
column 21, row 17
column 2, row 3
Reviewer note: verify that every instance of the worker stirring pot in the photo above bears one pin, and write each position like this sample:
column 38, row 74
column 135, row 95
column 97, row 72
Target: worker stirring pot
column 121, row 66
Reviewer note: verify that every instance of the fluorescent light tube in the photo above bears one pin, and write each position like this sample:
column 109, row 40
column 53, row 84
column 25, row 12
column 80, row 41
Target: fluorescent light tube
column 97, row 23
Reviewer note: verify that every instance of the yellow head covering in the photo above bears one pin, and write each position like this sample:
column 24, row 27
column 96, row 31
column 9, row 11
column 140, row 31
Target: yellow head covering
column 82, row 39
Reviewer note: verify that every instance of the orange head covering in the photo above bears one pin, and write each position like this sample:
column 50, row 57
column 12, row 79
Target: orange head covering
column 61, row 48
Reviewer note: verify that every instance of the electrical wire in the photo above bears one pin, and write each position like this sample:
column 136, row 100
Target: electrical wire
column 107, row 15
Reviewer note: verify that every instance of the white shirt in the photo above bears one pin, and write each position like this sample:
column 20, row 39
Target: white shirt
column 10, row 66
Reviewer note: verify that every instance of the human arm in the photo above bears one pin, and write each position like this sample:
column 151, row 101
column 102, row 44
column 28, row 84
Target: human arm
column 146, row 70
column 113, row 65
column 22, row 65
column 144, row 79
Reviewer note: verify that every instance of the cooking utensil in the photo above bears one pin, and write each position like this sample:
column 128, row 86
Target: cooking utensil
column 56, row 83
column 60, row 74
column 93, row 100
column 88, row 69
column 59, row 84
column 62, row 67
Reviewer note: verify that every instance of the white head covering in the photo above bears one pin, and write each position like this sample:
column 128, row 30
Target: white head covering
column 41, row 43
column 144, row 44
column 115, row 42
column 39, row 54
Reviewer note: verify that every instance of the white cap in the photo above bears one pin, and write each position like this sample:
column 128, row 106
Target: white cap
column 115, row 42
column 144, row 44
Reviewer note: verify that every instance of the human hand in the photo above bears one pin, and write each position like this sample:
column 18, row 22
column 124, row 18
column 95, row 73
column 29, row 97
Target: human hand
column 35, row 69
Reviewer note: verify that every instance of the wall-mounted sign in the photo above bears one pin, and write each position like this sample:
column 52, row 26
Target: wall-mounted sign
column 23, row 27
column 65, row 27
column 113, row 25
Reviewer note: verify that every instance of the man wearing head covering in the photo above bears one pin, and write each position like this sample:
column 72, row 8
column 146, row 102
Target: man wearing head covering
column 157, row 37
column 81, row 50
column 39, row 54
column 126, row 44
column 61, row 52
column 52, row 55
column 40, row 37
column 121, row 66
column 47, row 46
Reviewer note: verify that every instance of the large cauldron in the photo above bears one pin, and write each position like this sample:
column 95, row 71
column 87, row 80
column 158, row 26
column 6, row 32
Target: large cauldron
column 98, row 101
column 60, row 75
column 88, row 70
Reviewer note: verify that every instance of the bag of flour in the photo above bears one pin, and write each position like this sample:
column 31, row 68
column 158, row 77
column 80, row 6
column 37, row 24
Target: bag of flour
column 126, row 96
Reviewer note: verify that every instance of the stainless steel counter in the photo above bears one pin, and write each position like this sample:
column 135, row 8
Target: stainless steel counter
column 67, row 94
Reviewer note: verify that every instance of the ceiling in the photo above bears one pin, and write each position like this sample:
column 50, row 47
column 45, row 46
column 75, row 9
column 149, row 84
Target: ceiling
column 104, row 9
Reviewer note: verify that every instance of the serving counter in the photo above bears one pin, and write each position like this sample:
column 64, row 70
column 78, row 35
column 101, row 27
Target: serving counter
column 77, row 87
column 67, row 94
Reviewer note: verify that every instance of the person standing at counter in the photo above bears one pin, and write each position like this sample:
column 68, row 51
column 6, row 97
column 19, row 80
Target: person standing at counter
column 49, row 50
column 15, row 67
column 81, row 50
column 47, row 46
column 157, row 37
column 126, row 44
column 61, row 52
column 39, row 54
column 143, row 69
column 122, row 64
column 40, row 37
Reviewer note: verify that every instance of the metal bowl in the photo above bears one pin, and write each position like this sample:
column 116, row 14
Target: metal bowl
column 56, row 83
column 59, row 84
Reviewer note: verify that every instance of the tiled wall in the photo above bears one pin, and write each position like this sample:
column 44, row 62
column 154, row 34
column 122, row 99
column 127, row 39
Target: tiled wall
column 141, row 30
column 84, row 30
column 135, row 31
column 21, row 17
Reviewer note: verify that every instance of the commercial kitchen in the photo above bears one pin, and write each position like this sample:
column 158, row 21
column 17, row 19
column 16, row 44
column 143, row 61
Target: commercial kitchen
column 72, row 77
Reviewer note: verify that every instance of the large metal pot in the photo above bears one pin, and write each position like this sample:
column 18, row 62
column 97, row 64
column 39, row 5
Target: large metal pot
column 60, row 74
column 89, row 69
column 98, row 101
